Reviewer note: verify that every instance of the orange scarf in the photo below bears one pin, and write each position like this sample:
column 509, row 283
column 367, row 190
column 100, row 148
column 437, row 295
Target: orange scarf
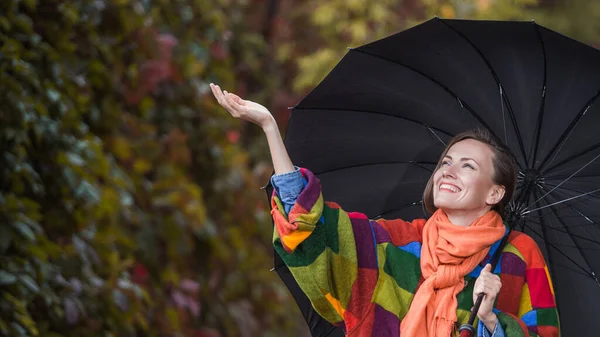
column 449, row 253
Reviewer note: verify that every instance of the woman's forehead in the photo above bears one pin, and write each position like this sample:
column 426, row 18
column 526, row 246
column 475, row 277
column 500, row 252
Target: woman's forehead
column 470, row 148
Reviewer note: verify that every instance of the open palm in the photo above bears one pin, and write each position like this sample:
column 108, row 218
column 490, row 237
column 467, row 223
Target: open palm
column 243, row 109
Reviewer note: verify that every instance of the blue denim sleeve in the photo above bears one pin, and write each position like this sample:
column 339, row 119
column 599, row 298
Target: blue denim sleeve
column 288, row 187
column 482, row 331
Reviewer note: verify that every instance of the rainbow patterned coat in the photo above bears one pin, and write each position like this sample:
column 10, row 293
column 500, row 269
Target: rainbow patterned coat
column 361, row 274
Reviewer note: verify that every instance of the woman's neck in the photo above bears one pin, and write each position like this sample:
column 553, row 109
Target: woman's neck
column 464, row 218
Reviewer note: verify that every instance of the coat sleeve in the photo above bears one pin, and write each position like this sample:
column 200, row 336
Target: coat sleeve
column 331, row 253
column 537, row 314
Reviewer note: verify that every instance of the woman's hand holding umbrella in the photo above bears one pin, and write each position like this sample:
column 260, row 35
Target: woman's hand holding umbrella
column 489, row 284
column 259, row 115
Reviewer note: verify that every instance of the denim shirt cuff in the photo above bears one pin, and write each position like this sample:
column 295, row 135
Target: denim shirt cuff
column 498, row 331
column 288, row 186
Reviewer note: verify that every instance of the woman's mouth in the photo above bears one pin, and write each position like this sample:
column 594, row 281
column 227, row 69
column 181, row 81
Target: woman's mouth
column 450, row 188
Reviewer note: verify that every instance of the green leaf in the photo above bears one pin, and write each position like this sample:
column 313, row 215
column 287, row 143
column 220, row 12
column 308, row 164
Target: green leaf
column 30, row 4
column 24, row 23
column 19, row 329
column 4, row 23
column 30, row 283
column 38, row 252
column 27, row 322
column 7, row 278
column 89, row 192
column 3, row 327
column 53, row 95
column 75, row 159
column 6, row 238
column 24, row 230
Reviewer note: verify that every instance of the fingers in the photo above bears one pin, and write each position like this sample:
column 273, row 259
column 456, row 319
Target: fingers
column 218, row 94
column 237, row 99
column 487, row 283
column 490, row 290
column 490, row 287
column 226, row 100
column 227, row 104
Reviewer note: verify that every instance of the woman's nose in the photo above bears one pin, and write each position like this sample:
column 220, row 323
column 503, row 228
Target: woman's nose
column 449, row 172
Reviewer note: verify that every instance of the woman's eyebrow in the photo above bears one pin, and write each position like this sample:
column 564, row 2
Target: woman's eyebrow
column 462, row 159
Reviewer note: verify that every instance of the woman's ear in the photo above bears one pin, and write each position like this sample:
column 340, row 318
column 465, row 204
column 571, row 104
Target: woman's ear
column 496, row 194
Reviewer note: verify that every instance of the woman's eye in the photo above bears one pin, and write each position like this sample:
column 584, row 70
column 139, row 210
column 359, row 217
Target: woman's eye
column 445, row 163
column 469, row 166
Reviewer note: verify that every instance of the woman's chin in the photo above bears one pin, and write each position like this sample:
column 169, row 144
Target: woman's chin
column 443, row 204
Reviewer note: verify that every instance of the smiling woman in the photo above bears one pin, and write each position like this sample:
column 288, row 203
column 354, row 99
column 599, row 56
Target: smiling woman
column 476, row 172
column 420, row 278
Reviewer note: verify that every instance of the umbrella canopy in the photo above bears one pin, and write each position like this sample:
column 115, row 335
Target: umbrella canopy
column 373, row 130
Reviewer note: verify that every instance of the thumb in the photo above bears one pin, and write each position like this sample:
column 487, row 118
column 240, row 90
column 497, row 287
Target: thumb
column 488, row 268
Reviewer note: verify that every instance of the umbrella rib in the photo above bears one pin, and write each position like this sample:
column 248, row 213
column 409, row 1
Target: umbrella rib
column 584, row 227
column 435, row 134
column 564, row 181
column 503, row 94
column 572, row 235
column 591, row 222
column 551, row 245
column 538, row 129
column 575, row 156
column 462, row 103
column 575, row 191
column 380, row 215
column 416, row 163
column 558, row 202
column 568, row 131
column 572, row 269
column 557, row 177
column 382, row 113
column 548, row 244
column 585, row 259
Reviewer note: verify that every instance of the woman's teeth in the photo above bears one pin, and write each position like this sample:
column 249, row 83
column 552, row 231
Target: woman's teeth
column 450, row 188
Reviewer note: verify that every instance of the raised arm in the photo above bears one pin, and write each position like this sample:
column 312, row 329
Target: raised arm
column 335, row 256
column 259, row 115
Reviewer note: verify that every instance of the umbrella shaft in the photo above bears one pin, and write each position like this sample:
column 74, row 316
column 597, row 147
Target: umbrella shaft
column 475, row 308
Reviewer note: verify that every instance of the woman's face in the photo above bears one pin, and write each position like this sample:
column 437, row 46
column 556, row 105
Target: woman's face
column 464, row 180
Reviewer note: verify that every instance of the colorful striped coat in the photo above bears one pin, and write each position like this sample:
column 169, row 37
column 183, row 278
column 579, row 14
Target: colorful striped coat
column 361, row 275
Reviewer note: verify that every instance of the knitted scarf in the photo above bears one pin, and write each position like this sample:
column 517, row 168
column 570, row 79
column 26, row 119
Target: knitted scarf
column 448, row 254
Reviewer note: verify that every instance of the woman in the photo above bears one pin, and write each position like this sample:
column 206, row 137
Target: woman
column 419, row 278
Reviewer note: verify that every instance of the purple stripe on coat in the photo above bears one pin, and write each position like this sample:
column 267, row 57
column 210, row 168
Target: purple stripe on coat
column 310, row 194
column 381, row 235
column 385, row 323
column 365, row 245
column 512, row 264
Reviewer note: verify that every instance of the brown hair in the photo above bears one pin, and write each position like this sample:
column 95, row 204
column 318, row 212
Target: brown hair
column 505, row 168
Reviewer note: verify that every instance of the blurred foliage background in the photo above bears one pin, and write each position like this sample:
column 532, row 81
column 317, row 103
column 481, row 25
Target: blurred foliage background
column 130, row 202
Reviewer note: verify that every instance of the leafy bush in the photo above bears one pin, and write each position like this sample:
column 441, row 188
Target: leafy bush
column 127, row 206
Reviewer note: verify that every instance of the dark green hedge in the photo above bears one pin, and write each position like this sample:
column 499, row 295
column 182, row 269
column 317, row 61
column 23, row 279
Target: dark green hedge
column 127, row 206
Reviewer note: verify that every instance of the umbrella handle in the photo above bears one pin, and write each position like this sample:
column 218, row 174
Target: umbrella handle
column 467, row 330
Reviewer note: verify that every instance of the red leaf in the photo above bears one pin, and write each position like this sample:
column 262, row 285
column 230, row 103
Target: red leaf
column 233, row 136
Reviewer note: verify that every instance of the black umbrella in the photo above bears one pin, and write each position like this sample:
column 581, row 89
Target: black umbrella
column 372, row 132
